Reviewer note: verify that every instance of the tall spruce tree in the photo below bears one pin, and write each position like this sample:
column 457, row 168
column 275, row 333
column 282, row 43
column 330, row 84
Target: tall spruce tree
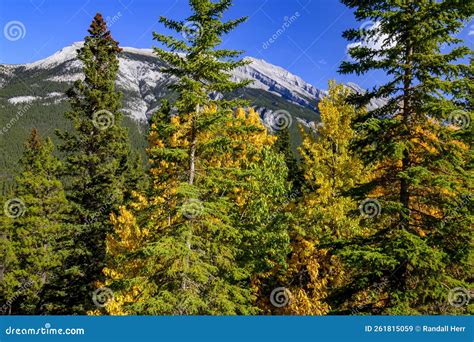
column 148, row 254
column 37, row 226
column 99, row 165
column 203, row 70
column 206, row 225
column 419, row 243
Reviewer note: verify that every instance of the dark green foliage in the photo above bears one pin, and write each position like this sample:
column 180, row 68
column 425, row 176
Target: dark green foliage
column 420, row 159
column 35, row 229
column 99, row 164
column 283, row 146
column 208, row 160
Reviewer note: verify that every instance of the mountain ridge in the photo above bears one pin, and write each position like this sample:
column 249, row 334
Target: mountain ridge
column 137, row 75
column 32, row 95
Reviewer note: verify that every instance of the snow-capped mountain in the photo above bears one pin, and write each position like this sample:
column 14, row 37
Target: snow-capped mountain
column 33, row 95
column 277, row 80
column 144, row 85
column 374, row 103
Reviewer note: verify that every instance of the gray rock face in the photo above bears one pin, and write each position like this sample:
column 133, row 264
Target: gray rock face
column 143, row 84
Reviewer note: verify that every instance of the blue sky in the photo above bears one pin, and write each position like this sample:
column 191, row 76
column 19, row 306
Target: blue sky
column 311, row 45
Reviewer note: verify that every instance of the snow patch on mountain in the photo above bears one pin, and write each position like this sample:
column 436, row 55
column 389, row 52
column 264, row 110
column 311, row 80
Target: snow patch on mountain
column 65, row 54
column 137, row 108
column 23, row 99
column 279, row 81
column 55, row 96
column 374, row 103
column 6, row 73
column 143, row 83
column 68, row 78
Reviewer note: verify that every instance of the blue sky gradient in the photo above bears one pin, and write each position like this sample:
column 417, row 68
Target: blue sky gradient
column 311, row 46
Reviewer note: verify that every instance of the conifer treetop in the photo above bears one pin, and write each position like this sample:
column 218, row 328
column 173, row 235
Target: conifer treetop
column 99, row 56
column 200, row 67
column 405, row 37
column 98, row 29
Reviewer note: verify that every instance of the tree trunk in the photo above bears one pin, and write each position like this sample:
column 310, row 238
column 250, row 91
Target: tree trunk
column 192, row 148
column 192, row 171
column 404, row 184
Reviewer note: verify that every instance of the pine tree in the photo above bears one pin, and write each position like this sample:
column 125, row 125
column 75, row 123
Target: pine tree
column 418, row 246
column 201, row 249
column 9, row 284
column 234, row 231
column 36, row 229
column 283, row 145
column 99, row 164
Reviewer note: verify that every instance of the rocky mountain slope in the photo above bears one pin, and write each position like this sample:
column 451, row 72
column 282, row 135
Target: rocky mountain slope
column 144, row 85
column 33, row 95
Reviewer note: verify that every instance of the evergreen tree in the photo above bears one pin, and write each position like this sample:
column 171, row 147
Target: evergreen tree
column 99, row 165
column 9, row 284
column 176, row 254
column 283, row 146
column 36, row 227
column 417, row 248
column 262, row 192
column 206, row 278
